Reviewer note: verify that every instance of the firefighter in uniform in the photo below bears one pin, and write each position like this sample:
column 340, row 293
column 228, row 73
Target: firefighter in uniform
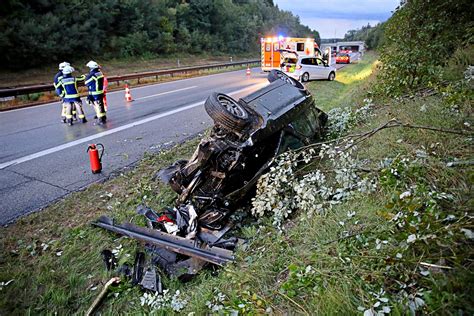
column 59, row 89
column 71, row 94
column 95, row 84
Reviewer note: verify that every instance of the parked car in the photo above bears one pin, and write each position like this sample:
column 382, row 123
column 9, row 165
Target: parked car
column 304, row 68
column 343, row 58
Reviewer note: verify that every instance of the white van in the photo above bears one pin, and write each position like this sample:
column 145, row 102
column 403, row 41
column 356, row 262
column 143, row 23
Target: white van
column 306, row 68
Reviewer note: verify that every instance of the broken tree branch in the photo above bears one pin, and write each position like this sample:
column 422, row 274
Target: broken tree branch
column 393, row 123
column 431, row 265
column 293, row 301
column 101, row 295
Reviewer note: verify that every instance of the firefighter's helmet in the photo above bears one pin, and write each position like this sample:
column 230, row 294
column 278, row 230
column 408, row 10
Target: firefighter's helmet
column 92, row 65
column 68, row 70
column 63, row 64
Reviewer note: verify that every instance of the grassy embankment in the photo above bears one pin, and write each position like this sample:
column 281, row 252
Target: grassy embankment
column 42, row 75
column 53, row 257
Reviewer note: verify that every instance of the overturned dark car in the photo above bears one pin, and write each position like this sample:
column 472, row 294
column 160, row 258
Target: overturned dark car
column 222, row 173
column 246, row 136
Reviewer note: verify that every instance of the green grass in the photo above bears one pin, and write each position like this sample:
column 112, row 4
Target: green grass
column 347, row 86
column 269, row 272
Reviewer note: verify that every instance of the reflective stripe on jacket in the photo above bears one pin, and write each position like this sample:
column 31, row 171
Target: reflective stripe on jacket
column 95, row 84
column 69, row 84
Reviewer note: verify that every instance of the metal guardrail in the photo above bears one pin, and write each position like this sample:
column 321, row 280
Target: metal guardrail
column 15, row 91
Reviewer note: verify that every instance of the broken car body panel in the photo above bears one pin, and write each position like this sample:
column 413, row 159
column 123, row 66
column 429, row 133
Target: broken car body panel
column 170, row 242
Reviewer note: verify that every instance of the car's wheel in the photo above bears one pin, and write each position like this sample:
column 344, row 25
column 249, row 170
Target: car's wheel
column 227, row 112
column 277, row 74
column 305, row 77
column 331, row 76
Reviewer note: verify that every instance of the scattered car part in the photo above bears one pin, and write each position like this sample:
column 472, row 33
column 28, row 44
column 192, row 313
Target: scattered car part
column 151, row 280
column 109, row 259
column 226, row 243
column 186, row 269
column 211, row 236
column 101, row 295
column 148, row 213
column 138, row 267
column 177, row 244
column 161, row 256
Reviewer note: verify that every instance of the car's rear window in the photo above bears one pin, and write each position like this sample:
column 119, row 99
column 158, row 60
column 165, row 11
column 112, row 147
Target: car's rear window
column 342, row 55
column 288, row 60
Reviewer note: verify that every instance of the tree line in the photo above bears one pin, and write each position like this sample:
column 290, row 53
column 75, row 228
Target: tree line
column 47, row 31
column 371, row 35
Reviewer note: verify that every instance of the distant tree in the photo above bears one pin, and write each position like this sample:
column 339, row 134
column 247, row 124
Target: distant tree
column 371, row 35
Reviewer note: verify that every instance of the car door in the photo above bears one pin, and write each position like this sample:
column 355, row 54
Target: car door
column 321, row 71
column 306, row 64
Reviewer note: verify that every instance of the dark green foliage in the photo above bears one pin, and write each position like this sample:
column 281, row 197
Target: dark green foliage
column 371, row 35
column 46, row 31
column 420, row 39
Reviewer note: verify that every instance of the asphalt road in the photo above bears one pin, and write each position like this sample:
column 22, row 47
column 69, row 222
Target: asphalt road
column 42, row 160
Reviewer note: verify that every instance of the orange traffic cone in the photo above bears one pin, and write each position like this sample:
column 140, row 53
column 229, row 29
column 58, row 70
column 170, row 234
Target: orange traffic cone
column 248, row 71
column 128, row 96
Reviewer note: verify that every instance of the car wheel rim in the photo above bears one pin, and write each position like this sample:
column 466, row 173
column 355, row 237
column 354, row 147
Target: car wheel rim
column 232, row 107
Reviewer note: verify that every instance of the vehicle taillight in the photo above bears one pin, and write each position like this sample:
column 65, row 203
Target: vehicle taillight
column 298, row 67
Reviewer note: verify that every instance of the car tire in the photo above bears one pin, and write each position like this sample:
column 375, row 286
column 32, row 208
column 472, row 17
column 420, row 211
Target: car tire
column 279, row 75
column 227, row 112
column 332, row 76
column 305, row 77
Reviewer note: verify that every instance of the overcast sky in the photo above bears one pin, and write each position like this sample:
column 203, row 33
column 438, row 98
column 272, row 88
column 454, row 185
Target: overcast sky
column 333, row 18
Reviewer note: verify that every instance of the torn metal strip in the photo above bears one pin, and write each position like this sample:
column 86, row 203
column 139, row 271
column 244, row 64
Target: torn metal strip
column 176, row 244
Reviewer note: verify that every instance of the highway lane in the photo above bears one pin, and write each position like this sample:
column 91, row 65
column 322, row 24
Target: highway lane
column 42, row 160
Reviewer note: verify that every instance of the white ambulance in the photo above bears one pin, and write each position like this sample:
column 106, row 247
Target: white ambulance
column 272, row 46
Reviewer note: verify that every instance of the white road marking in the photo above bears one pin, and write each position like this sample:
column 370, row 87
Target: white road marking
column 131, row 89
column 163, row 93
column 113, row 131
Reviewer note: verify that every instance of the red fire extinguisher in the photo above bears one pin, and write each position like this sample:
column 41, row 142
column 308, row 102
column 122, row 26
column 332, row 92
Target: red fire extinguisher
column 96, row 160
